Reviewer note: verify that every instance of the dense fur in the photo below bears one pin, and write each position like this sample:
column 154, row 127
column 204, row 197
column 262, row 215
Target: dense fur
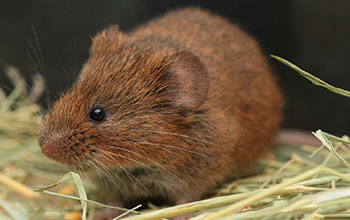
column 190, row 101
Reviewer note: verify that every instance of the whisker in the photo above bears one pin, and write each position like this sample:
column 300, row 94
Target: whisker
column 98, row 170
column 80, row 170
column 75, row 48
column 170, row 146
column 173, row 134
column 138, row 154
column 40, row 54
column 135, row 161
column 108, row 173
column 153, row 161
column 7, row 88
column 39, row 66
column 112, row 173
column 106, row 170
column 175, row 147
column 83, row 171
column 130, row 175
column 31, row 58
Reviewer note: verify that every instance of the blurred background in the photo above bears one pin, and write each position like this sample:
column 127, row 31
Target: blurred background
column 314, row 34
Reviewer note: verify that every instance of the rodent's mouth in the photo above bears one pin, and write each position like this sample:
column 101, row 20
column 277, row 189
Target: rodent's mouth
column 52, row 153
column 58, row 153
column 66, row 149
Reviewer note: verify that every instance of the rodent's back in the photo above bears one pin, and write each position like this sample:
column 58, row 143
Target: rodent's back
column 244, row 100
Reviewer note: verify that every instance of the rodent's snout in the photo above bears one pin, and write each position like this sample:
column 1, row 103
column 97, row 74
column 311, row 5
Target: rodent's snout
column 51, row 147
column 55, row 151
column 47, row 148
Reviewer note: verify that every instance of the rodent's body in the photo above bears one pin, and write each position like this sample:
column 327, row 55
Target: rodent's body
column 190, row 102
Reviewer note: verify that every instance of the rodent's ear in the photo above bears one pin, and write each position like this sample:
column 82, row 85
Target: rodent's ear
column 107, row 40
column 192, row 80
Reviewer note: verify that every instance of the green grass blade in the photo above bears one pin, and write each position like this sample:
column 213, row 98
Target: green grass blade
column 313, row 79
column 322, row 137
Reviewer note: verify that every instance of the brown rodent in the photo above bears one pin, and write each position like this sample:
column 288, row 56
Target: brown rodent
column 169, row 110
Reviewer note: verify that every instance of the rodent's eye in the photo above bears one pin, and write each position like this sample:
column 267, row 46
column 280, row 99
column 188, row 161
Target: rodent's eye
column 97, row 114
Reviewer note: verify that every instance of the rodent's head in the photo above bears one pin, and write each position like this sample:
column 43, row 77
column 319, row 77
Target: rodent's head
column 129, row 91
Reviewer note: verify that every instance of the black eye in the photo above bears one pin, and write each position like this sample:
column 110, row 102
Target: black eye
column 97, row 114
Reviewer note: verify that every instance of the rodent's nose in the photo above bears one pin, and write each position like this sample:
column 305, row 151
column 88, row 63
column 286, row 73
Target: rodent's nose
column 47, row 148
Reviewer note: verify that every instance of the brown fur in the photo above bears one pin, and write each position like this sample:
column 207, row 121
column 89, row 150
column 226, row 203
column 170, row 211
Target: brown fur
column 190, row 101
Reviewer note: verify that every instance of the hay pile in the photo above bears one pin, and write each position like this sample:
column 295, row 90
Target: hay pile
column 294, row 182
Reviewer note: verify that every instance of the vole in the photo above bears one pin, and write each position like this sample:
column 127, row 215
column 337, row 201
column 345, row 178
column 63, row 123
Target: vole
column 169, row 110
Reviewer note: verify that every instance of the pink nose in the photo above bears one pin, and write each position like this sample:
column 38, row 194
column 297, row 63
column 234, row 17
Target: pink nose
column 47, row 148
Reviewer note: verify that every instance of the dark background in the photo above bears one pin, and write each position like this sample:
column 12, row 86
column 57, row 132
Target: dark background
column 314, row 34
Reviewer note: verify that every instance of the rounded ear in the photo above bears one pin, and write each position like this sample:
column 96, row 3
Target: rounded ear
column 192, row 80
column 107, row 40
